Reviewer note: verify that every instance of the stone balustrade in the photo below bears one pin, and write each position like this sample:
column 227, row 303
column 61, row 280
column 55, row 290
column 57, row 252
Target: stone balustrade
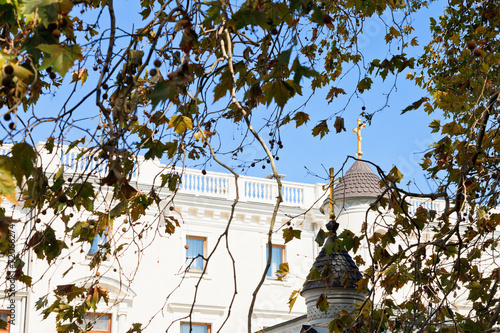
column 211, row 184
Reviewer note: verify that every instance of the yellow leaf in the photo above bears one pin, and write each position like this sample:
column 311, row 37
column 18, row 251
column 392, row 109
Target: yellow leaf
column 7, row 184
column 180, row 124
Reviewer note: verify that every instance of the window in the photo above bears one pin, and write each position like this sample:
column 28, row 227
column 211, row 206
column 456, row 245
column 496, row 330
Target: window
column 195, row 328
column 4, row 315
column 99, row 241
column 278, row 254
column 196, row 249
column 101, row 322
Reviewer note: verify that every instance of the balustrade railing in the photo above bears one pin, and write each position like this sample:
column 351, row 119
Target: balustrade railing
column 436, row 205
column 212, row 184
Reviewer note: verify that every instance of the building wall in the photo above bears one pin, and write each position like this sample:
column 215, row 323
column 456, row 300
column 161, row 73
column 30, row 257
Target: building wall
column 148, row 282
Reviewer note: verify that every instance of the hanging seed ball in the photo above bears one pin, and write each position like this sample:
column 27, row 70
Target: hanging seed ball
column 363, row 108
column 171, row 208
column 44, row 212
column 62, row 198
column 6, row 117
column 263, row 167
column 70, row 179
column 252, row 165
column 52, row 75
column 105, row 96
column 9, row 70
column 186, row 246
column 98, row 273
column 70, row 203
column 12, row 126
column 478, row 52
column 124, row 229
column 105, row 86
column 153, row 72
column 56, row 33
column 203, row 172
column 471, row 45
column 157, row 63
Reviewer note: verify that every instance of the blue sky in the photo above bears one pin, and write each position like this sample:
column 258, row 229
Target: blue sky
column 391, row 139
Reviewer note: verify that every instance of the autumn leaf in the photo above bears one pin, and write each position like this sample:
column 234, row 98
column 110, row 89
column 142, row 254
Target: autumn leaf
column 79, row 75
column 61, row 57
column 321, row 129
column 300, row 118
column 180, row 124
column 333, row 93
column 7, row 184
column 291, row 300
column 290, row 233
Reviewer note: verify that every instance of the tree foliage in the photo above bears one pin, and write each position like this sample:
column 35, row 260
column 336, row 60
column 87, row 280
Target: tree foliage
column 166, row 88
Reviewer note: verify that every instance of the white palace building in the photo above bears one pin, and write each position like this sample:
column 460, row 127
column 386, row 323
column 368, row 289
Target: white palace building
column 160, row 293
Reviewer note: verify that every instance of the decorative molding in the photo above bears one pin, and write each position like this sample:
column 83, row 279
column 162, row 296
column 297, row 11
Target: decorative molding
column 185, row 307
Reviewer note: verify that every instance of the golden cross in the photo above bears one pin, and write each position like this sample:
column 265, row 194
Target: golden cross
column 357, row 130
column 332, row 201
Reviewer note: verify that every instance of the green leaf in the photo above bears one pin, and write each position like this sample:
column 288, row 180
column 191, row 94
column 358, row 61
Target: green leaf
column 415, row 105
column 290, row 233
column 163, row 91
column 322, row 303
column 435, row 125
column 364, row 84
column 46, row 10
column 302, row 71
column 180, row 124
column 118, row 209
column 225, row 84
column 23, row 158
column 61, row 57
column 320, row 237
column 277, row 90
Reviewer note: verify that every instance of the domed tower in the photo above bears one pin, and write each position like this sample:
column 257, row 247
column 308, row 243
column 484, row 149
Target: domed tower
column 333, row 278
column 354, row 194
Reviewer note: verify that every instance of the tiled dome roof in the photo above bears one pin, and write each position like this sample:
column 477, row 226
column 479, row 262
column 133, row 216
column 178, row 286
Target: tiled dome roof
column 359, row 181
column 342, row 270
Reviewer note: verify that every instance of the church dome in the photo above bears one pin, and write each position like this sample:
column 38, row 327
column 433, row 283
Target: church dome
column 341, row 271
column 358, row 182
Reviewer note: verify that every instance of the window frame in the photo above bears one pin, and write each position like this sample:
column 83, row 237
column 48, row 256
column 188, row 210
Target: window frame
column 100, row 315
column 209, row 326
column 273, row 274
column 6, row 330
column 189, row 261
